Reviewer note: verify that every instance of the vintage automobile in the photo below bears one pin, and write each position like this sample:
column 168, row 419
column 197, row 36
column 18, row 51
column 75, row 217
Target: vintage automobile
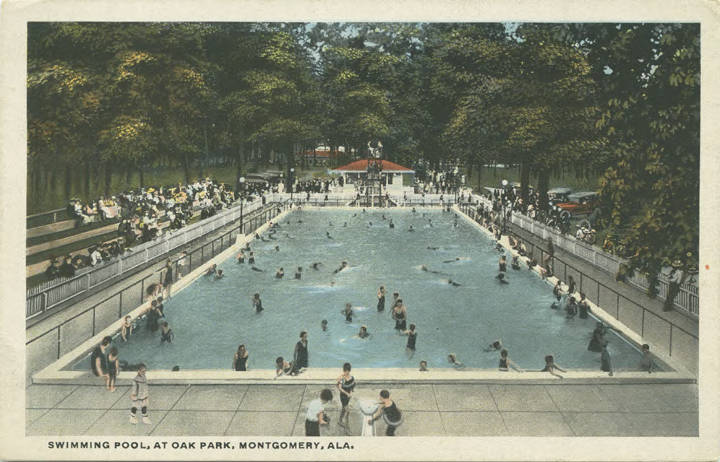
column 579, row 203
column 558, row 195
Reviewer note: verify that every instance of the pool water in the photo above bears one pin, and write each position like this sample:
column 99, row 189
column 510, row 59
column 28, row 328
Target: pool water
column 210, row 318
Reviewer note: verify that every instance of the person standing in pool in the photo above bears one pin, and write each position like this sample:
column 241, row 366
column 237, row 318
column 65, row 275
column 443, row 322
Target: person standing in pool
column 502, row 264
column 381, row 299
column 348, row 312
column 127, row 328
column 392, row 225
column 345, row 385
column 240, row 359
column 571, row 309
column 241, row 257
column 515, row 263
column 598, row 338
column 300, row 359
column 316, row 266
column 280, row 273
column 251, row 258
column 324, row 325
column 605, row 361
column 400, row 315
column 257, row 303
column 583, row 306
column 298, row 273
column 412, row 338
column 166, row 334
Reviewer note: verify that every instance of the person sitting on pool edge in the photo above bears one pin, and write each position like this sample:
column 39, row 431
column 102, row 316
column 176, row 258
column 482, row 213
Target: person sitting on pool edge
column 452, row 359
column 550, row 366
column 505, row 362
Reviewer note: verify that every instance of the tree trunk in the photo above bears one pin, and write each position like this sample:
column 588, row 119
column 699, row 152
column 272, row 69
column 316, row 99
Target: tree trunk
column 68, row 182
column 240, row 162
column 186, row 168
column 108, row 179
column 543, row 182
column 86, row 179
column 524, row 181
column 142, row 176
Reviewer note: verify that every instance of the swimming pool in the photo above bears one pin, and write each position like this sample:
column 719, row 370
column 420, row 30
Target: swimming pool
column 211, row 317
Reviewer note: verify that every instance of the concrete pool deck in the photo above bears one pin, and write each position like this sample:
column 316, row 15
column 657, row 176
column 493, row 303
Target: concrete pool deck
column 627, row 410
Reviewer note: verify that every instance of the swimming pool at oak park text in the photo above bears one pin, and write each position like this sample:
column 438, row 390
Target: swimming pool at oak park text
column 210, row 318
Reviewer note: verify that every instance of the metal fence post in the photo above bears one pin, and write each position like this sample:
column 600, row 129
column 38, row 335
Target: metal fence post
column 120, row 306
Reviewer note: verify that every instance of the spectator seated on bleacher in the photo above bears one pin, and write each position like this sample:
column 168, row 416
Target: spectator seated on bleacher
column 66, row 270
column 53, row 270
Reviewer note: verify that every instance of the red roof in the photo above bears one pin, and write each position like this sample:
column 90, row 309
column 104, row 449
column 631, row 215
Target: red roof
column 362, row 164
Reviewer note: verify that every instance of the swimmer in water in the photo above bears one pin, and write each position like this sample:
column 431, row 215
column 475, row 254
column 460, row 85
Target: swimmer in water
column 551, row 367
column 363, row 333
column 298, row 273
column 279, row 273
column 515, row 263
column 494, row 346
column 423, row 366
column 383, row 217
column 392, row 225
column 251, row 258
column 411, row 228
column 501, row 278
column 212, row 270
column 452, row 261
column 257, row 236
column 381, row 299
column 255, row 268
column 399, row 314
column 348, row 312
column 453, row 283
column 316, row 266
column 345, row 225
column 241, row 257
column 327, row 233
column 452, row 359
column 343, row 265
column 323, row 325
column 413, row 210
column 277, row 248
column 432, row 248
column 219, row 275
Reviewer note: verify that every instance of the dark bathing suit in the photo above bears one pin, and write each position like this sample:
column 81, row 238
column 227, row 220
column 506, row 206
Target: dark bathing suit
column 503, row 363
column 348, row 386
column 381, row 303
column 393, row 418
column 400, row 321
column 241, row 363
column 97, row 353
column 411, row 340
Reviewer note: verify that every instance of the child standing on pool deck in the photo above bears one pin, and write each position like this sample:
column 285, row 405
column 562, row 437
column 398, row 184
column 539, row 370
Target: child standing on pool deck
column 140, row 395
column 113, row 367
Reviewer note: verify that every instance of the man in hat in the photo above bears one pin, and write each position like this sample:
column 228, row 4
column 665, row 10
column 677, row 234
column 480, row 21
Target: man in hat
column 675, row 279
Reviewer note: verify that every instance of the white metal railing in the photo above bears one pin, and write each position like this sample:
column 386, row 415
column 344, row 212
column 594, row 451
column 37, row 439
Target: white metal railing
column 686, row 299
column 38, row 301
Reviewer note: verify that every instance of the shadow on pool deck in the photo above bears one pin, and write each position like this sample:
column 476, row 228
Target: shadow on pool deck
column 429, row 410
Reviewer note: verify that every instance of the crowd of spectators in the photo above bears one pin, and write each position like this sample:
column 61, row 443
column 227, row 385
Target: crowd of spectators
column 141, row 213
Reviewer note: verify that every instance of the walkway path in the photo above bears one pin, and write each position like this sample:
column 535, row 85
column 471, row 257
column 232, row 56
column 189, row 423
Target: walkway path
column 429, row 410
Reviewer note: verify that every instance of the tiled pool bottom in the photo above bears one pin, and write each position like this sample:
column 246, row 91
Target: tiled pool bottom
column 210, row 318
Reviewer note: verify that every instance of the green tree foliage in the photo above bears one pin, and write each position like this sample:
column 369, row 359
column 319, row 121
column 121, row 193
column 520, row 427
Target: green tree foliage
column 620, row 99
